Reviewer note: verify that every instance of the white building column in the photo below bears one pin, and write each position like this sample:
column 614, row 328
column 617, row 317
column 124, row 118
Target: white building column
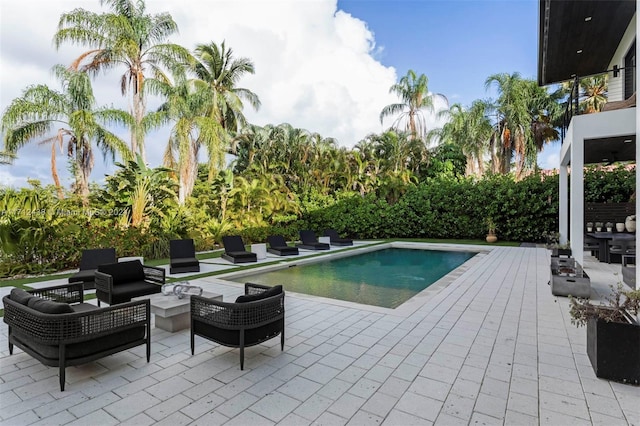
column 576, row 225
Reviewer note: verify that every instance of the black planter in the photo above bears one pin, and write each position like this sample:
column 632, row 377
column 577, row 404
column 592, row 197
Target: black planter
column 614, row 350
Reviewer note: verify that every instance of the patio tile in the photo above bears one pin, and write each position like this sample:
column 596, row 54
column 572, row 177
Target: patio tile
column 205, row 404
column 320, row 373
column 365, row 418
column 299, row 388
column 237, row 404
column 329, row 419
column 397, row 418
column 164, row 410
column 275, row 406
column 131, row 405
column 98, row 417
column 313, row 407
column 419, row 406
column 380, row 404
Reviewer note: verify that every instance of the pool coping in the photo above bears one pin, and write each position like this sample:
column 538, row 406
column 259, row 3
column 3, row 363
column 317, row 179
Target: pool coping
column 406, row 308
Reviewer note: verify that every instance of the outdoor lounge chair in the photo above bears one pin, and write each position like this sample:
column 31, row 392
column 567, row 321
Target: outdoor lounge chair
column 278, row 246
column 120, row 282
column 182, row 254
column 310, row 241
column 89, row 262
column 253, row 318
column 54, row 326
column 335, row 239
column 235, row 252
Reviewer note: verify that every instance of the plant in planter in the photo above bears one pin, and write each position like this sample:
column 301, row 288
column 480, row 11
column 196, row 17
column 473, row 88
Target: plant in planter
column 613, row 334
column 609, row 226
column 491, row 229
column 589, row 226
column 598, row 226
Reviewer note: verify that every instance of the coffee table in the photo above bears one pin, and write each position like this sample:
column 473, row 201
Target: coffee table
column 173, row 314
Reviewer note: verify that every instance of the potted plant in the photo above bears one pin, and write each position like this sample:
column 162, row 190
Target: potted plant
column 589, row 226
column 609, row 226
column 620, row 226
column 598, row 226
column 630, row 223
column 491, row 229
column 613, row 334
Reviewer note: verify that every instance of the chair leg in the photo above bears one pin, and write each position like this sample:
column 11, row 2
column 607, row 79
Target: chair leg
column 192, row 340
column 10, row 348
column 62, row 360
column 282, row 340
column 241, row 349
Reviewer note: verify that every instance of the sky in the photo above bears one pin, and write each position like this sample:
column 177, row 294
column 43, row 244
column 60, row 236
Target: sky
column 321, row 65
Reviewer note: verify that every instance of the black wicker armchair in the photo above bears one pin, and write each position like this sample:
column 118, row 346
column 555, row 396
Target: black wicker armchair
column 120, row 282
column 54, row 326
column 254, row 318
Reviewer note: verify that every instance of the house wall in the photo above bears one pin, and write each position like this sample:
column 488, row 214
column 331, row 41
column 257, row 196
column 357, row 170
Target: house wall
column 616, row 84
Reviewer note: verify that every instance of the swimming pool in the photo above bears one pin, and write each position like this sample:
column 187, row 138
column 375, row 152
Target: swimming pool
column 385, row 278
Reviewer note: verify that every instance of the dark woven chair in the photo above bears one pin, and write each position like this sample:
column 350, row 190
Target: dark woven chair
column 336, row 240
column 120, row 282
column 621, row 248
column 182, row 254
column 234, row 250
column 310, row 241
column 252, row 319
column 591, row 245
column 278, row 246
column 89, row 262
column 54, row 326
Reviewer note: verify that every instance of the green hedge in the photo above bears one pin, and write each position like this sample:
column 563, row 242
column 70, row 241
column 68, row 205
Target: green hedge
column 522, row 211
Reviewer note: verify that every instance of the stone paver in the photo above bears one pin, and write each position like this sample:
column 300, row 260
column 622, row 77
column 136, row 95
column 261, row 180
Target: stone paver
column 493, row 347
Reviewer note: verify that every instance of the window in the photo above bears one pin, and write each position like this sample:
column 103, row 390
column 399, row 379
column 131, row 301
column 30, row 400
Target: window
column 630, row 72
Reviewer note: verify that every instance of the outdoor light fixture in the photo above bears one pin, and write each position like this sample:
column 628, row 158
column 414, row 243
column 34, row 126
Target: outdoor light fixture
column 616, row 71
column 627, row 141
column 587, row 19
column 579, row 51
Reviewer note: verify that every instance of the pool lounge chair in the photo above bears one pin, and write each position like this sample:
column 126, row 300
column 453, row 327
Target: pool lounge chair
column 336, row 240
column 310, row 242
column 89, row 262
column 235, row 252
column 278, row 246
column 182, row 254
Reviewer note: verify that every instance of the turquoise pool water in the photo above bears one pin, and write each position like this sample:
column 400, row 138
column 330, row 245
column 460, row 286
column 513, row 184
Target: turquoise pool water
column 384, row 278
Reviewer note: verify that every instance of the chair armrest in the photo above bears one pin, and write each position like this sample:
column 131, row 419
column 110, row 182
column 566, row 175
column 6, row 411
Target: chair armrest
column 65, row 293
column 154, row 274
column 104, row 282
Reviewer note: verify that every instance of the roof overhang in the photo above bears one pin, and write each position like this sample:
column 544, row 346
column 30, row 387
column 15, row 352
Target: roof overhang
column 579, row 38
column 610, row 150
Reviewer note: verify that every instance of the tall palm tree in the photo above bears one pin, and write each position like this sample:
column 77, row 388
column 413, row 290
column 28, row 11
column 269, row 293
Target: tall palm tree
column 513, row 123
column 72, row 112
column 414, row 92
column 218, row 71
column 593, row 93
column 186, row 108
column 124, row 36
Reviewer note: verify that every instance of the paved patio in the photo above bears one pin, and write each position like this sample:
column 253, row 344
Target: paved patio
column 492, row 347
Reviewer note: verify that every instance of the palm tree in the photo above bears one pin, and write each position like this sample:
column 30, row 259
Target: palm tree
column 415, row 96
column 40, row 110
column 218, row 71
column 124, row 36
column 593, row 93
column 186, row 108
column 513, row 124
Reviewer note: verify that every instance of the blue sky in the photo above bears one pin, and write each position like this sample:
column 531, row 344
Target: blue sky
column 320, row 65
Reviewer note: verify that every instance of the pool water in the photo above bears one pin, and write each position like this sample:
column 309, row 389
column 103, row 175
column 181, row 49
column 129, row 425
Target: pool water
column 386, row 278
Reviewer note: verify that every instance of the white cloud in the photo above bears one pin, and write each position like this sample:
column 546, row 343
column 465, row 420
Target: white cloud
column 315, row 65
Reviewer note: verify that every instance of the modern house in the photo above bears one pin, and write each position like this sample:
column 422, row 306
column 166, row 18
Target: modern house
column 579, row 39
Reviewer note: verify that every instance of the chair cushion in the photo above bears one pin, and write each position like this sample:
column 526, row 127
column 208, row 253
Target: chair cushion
column 124, row 272
column 83, row 276
column 265, row 294
column 49, row 306
column 252, row 336
column 82, row 349
column 185, row 261
column 20, row 296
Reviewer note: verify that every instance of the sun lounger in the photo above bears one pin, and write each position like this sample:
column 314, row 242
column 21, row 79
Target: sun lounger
column 336, row 240
column 182, row 255
column 235, row 252
column 310, row 241
column 278, row 246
